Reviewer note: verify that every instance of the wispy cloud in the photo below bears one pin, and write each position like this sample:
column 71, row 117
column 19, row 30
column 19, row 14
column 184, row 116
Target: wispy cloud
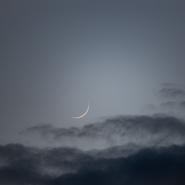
column 170, row 100
column 169, row 90
column 160, row 130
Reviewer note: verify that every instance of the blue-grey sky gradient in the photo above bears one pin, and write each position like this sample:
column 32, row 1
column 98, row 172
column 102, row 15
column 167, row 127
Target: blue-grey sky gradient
column 56, row 56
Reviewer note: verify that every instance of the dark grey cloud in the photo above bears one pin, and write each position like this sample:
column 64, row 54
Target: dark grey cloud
column 141, row 131
column 170, row 90
column 182, row 104
column 20, row 166
column 170, row 100
column 164, row 166
column 169, row 96
column 148, row 166
column 42, row 162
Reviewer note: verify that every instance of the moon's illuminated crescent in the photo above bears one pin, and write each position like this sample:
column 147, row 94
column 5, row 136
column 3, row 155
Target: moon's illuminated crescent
column 82, row 114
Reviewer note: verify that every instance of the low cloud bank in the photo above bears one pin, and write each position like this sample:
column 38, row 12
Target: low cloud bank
column 25, row 165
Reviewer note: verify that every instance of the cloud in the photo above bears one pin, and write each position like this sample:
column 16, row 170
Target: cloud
column 174, row 104
column 171, row 101
column 141, row 131
column 182, row 104
column 169, row 90
column 30, row 164
column 148, row 166
column 21, row 166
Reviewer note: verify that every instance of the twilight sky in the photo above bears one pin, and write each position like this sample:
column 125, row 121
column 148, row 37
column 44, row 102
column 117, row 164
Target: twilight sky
column 58, row 55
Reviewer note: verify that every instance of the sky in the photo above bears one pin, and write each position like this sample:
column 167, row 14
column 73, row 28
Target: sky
column 58, row 56
column 123, row 58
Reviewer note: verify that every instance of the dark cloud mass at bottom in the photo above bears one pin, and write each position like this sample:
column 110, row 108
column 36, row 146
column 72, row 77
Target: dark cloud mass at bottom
column 22, row 165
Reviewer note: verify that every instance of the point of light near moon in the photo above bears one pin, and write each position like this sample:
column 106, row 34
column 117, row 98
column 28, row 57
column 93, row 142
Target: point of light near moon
column 82, row 115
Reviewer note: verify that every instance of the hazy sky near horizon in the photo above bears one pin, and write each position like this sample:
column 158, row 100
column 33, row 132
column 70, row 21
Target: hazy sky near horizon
column 58, row 55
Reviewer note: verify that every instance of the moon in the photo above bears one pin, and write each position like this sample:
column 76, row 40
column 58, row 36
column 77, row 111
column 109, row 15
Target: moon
column 82, row 114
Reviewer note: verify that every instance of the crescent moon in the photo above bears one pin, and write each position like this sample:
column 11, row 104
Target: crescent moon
column 82, row 114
